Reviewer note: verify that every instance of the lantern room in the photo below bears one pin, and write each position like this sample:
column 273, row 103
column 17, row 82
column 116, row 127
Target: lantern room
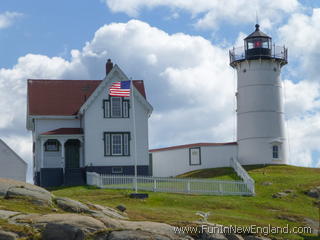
column 257, row 45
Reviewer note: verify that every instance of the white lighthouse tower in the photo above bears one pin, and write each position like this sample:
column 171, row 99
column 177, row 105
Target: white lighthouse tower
column 260, row 115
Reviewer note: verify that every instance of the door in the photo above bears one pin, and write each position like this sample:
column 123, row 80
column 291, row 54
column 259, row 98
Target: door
column 72, row 154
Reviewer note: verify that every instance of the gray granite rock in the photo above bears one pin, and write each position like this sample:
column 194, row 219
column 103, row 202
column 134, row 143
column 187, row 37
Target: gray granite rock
column 71, row 205
column 8, row 235
column 55, row 231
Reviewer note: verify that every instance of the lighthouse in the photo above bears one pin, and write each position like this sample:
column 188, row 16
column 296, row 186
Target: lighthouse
column 260, row 113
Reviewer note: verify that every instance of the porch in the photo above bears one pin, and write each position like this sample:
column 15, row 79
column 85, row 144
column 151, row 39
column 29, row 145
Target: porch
column 61, row 158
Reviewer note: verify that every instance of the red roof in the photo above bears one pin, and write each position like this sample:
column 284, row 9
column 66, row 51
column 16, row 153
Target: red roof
column 63, row 97
column 192, row 145
column 64, row 131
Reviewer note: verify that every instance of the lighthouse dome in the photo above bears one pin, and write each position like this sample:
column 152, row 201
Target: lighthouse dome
column 257, row 45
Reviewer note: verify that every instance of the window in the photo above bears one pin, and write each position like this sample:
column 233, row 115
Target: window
column 116, row 107
column 51, row 146
column 194, row 156
column 117, row 170
column 275, row 151
column 117, row 144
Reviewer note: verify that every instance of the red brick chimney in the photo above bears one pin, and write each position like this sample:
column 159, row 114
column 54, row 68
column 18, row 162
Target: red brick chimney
column 109, row 66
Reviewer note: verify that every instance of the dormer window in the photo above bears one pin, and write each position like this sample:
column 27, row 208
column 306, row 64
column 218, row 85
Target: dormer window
column 116, row 107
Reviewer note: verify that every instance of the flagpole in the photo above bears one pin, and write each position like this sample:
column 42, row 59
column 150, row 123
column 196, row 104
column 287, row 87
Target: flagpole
column 134, row 140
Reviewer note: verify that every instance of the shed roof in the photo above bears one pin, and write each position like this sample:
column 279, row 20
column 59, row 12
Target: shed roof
column 192, row 145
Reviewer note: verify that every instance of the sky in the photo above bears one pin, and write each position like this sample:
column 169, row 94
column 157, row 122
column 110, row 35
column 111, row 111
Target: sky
column 178, row 47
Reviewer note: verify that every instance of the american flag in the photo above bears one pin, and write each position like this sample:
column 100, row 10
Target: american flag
column 120, row 89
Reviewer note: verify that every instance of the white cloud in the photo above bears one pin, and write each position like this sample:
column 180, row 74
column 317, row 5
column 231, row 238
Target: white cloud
column 304, row 138
column 209, row 14
column 301, row 98
column 302, row 36
column 7, row 18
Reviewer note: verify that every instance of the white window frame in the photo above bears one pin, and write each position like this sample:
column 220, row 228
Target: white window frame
column 116, row 145
column 109, row 145
column 124, row 105
column 112, row 101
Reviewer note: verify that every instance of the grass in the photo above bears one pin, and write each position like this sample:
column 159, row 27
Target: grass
column 180, row 209
column 236, row 210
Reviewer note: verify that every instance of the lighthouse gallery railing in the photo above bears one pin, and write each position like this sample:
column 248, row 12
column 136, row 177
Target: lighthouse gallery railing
column 277, row 52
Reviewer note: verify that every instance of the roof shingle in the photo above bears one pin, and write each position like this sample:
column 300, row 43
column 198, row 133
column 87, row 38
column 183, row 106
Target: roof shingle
column 63, row 97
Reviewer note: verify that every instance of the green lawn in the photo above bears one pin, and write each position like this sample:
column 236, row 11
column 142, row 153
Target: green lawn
column 237, row 210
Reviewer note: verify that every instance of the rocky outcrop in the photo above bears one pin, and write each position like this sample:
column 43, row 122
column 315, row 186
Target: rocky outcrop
column 280, row 195
column 70, row 205
column 314, row 192
column 255, row 238
column 100, row 211
column 85, row 223
column 135, row 235
column 4, row 214
column 54, row 231
column 16, row 189
column 8, row 235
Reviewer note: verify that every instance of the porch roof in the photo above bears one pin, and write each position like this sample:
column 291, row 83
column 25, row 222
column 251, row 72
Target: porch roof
column 64, row 131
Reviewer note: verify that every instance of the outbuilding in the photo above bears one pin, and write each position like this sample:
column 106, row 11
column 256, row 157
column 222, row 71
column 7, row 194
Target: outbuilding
column 172, row 161
column 12, row 165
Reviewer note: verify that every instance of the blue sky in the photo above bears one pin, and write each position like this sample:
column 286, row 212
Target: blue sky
column 172, row 45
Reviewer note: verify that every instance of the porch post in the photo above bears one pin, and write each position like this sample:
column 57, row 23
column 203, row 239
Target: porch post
column 41, row 152
column 62, row 142
column 81, row 152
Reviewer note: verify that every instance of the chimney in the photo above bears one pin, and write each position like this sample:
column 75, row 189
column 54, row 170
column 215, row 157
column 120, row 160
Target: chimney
column 109, row 66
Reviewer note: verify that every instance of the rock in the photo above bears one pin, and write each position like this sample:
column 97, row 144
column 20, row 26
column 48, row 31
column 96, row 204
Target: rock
column 288, row 191
column 152, row 227
column 121, row 208
column 255, row 238
column 110, row 212
column 279, row 195
column 54, row 231
column 266, row 183
column 135, row 235
column 314, row 192
column 4, row 214
column 70, row 205
column 290, row 218
column 8, row 235
column 313, row 224
column 85, row 223
column 212, row 236
column 15, row 189
column 317, row 203
column 233, row 236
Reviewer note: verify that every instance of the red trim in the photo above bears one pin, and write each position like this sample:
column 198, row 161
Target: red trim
column 192, row 145
column 64, row 131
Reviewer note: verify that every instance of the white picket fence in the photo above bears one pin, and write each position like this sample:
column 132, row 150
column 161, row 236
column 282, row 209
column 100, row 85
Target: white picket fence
column 242, row 173
column 177, row 185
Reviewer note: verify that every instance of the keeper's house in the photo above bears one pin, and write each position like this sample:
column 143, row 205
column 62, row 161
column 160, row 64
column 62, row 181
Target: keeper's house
column 77, row 127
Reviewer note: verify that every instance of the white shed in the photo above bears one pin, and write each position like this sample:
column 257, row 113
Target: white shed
column 172, row 161
column 12, row 166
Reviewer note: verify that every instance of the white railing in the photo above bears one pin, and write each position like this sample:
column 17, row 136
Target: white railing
column 176, row 185
column 242, row 173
